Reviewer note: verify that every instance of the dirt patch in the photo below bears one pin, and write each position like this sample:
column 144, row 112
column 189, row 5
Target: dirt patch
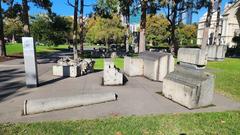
column 7, row 58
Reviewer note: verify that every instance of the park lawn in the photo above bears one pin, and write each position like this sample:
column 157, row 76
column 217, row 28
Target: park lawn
column 227, row 75
column 99, row 65
column 222, row 123
column 17, row 48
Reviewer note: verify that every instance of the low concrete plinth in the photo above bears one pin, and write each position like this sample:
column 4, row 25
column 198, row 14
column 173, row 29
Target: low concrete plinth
column 193, row 56
column 157, row 65
column 74, row 71
column 216, row 52
column 189, row 87
column 111, row 75
column 63, row 71
column 133, row 66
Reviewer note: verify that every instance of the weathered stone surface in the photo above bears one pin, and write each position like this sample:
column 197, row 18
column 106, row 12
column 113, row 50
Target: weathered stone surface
column 59, row 70
column 111, row 75
column 217, row 52
column 133, row 66
column 193, row 56
column 189, row 87
column 67, row 67
column 157, row 65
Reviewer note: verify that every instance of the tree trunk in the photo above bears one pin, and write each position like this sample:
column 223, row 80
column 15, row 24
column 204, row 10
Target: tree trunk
column 217, row 38
column 2, row 42
column 173, row 41
column 81, row 27
column 75, row 30
column 207, row 26
column 26, row 28
column 127, row 31
column 142, row 40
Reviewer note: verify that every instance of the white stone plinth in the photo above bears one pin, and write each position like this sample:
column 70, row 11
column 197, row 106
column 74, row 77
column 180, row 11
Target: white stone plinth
column 111, row 75
column 188, row 87
column 157, row 65
column 193, row 56
column 61, row 70
column 217, row 52
column 133, row 66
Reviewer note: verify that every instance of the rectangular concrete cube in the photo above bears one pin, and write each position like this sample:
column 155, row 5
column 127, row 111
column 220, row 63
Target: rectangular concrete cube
column 217, row 52
column 193, row 56
column 111, row 75
column 157, row 65
column 74, row 71
column 61, row 70
column 133, row 66
column 188, row 87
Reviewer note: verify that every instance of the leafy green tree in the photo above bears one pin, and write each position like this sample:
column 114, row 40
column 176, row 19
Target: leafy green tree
column 13, row 28
column 157, row 29
column 106, row 8
column 104, row 30
column 187, row 35
column 51, row 30
column 45, row 4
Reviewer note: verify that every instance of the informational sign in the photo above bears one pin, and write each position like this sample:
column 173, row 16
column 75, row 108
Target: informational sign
column 30, row 62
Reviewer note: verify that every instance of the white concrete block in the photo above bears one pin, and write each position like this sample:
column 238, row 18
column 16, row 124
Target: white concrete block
column 61, row 70
column 157, row 65
column 193, row 56
column 188, row 87
column 217, row 52
column 111, row 75
column 133, row 66
column 74, row 71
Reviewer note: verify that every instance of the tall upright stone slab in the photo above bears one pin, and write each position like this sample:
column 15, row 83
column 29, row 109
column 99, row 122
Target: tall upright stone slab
column 157, row 65
column 190, row 86
column 30, row 62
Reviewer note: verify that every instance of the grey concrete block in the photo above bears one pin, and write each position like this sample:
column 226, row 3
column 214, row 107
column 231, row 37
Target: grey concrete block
column 133, row 66
column 193, row 56
column 217, row 52
column 157, row 65
column 111, row 75
column 189, row 87
column 63, row 71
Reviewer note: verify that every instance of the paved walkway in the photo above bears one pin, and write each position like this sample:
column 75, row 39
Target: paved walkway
column 139, row 96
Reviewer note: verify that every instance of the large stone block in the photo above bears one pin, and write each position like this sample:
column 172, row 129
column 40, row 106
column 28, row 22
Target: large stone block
column 59, row 70
column 111, row 75
column 217, row 52
column 189, row 87
column 133, row 66
column 192, row 56
column 74, row 71
column 157, row 65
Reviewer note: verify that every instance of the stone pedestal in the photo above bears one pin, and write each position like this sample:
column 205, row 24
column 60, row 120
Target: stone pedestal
column 111, row 75
column 216, row 52
column 74, row 71
column 189, row 87
column 157, row 65
column 133, row 66
column 63, row 71
column 192, row 56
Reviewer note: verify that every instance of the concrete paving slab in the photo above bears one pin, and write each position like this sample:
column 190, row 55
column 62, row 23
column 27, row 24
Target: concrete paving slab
column 139, row 96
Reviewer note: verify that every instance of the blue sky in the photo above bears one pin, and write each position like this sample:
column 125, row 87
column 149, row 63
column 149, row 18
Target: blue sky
column 61, row 7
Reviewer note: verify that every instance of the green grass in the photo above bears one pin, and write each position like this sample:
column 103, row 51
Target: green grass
column 222, row 123
column 18, row 49
column 99, row 65
column 227, row 75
